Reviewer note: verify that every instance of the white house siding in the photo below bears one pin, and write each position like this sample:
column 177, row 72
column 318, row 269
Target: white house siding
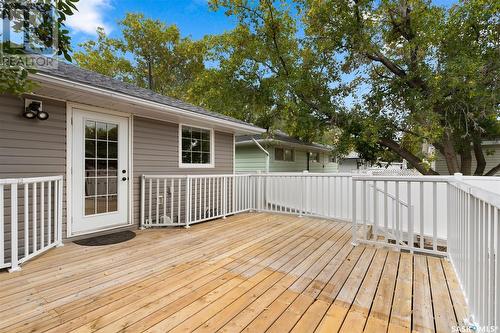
column 491, row 153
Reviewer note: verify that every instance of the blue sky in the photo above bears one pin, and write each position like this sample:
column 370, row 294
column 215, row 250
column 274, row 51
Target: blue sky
column 193, row 17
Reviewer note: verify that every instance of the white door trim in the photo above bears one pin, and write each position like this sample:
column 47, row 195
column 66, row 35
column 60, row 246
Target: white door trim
column 69, row 167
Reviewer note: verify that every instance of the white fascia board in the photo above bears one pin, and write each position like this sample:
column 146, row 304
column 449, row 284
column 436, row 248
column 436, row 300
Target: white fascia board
column 283, row 143
column 149, row 104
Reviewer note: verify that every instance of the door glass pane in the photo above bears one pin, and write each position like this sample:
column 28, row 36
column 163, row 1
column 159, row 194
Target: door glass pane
column 90, row 206
column 101, row 167
column 101, row 205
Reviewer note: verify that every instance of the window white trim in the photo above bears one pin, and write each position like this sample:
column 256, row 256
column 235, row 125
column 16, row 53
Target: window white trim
column 197, row 165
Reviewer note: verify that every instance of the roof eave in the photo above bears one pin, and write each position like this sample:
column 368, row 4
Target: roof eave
column 239, row 127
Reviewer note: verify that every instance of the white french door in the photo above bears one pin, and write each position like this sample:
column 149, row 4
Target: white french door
column 100, row 175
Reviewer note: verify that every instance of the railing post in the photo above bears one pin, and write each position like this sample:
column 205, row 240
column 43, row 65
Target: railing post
column 224, row 197
column 60, row 184
column 354, row 207
column 143, row 201
column 258, row 188
column 188, row 202
column 14, row 259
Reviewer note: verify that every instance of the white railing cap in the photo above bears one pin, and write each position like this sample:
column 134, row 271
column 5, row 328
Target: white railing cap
column 10, row 181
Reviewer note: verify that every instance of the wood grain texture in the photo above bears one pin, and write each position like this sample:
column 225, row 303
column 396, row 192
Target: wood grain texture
column 252, row 272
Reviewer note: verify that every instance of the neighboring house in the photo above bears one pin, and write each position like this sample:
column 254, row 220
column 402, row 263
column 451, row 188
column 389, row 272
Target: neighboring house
column 102, row 135
column 491, row 150
column 286, row 154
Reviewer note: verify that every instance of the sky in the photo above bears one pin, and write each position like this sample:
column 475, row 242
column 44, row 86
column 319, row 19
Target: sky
column 193, row 17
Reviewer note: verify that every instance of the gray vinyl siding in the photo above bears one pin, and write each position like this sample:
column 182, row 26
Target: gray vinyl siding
column 32, row 148
column 156, row 152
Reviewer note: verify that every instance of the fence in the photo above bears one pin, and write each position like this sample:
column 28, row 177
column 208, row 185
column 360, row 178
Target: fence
column 33, row 206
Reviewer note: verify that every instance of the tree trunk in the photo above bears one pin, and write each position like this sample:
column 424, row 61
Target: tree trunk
column 407, row 155
column 480, row 159
column 466, row 161
column 150, row 74
column 450, row 155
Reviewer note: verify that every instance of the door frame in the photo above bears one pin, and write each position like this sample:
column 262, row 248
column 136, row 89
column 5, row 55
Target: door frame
column 69, row 167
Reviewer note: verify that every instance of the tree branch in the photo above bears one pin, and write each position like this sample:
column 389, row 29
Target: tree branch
column 493, row 170
column 480, row 159
column 407, row 155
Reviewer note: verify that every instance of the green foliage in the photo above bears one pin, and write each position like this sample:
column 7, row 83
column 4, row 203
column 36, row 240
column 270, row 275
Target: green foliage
column 159, row 57
column 45, row 15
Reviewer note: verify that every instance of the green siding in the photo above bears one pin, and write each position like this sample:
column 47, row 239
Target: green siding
column 252, row 159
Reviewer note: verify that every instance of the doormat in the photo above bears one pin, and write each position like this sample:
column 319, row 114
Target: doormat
column 110, row 239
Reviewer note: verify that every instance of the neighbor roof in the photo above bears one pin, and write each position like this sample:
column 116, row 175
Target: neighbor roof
column 280, row 137
column 79, row 75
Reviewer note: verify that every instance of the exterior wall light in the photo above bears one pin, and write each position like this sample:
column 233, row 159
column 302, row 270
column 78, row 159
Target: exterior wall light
column 33, row 109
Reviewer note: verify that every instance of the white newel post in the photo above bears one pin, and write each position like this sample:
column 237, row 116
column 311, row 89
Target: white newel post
column 143, row 200
column 60, row 212
column 13, row 231
column 354, row 208
column 188, row 202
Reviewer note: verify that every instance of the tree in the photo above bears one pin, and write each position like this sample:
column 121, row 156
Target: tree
column 35, row 20
column 430, row 74
column 161, row 59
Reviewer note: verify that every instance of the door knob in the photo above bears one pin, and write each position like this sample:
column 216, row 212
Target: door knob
column 124, row 179
column 124, row 171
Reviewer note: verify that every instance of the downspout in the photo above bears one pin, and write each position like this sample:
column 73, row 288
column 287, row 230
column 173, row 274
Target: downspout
column 265, row 152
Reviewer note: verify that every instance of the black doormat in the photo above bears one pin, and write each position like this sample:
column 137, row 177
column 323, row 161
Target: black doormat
column 116, row 238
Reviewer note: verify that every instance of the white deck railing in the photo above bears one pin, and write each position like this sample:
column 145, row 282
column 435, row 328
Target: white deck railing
column 474, row 248
column 185, row 200
column 404, row 212
column 30, row 218
column 440, row 215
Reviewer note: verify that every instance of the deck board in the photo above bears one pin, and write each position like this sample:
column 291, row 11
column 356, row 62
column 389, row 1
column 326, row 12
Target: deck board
column 249, row 273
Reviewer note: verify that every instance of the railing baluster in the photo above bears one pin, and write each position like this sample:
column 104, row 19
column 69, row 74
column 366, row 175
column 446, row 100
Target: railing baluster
column 398, row 216
column 421, row 189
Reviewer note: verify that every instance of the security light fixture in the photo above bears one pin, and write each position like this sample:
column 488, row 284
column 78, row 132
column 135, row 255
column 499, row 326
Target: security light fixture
column 33, row 109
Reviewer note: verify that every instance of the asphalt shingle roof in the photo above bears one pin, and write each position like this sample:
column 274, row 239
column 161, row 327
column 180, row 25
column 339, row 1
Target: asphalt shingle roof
column 77, row 74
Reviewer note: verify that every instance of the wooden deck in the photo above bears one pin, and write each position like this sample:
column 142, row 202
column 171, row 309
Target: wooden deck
column 251, row 272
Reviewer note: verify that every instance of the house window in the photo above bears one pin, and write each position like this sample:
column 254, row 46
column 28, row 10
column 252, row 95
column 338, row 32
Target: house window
column 284, row 154
column 196, row 147
column 315, row 157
